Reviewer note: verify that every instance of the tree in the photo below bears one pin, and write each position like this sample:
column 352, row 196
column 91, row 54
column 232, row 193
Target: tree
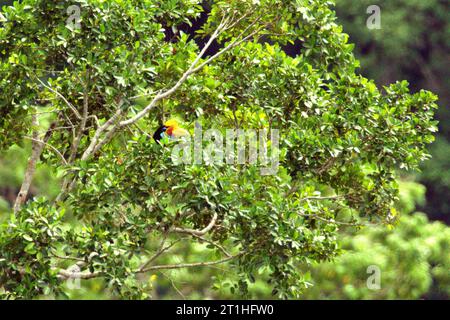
column 413, row 42
column 75, row 88
column 411, row 259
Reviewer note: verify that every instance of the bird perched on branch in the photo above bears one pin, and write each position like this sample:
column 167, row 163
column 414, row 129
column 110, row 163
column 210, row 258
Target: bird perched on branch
column 170, row 129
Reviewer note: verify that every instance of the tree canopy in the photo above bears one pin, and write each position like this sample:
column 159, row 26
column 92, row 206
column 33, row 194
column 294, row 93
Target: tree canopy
column 89, row 96
column 411, row 44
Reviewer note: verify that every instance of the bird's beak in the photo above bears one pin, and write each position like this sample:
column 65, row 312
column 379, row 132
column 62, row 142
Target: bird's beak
column 180, row 132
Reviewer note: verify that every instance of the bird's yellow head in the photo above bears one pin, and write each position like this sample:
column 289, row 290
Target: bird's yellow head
column 172, row 123
column 174, row 130
column 171, row 129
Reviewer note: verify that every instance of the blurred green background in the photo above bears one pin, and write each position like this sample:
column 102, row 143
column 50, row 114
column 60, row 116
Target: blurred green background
column 414, row 258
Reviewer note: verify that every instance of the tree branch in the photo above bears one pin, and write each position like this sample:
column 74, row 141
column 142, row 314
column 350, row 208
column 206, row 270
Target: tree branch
column 231, row 45
column 223, row 25
column 74, row 110
column 159, row 252
column 315, row 216
column 95, row 140
column 68, row 274
column 221, row 248
column 49, row 145
column 76, row 141
column 37, row 147
column 198, row 232
column 190, row 265
column 106, row 138
column 323, row 198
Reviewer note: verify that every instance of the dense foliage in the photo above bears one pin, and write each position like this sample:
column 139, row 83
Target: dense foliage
column 341, row 141
column 412, row 44
column 413, row 259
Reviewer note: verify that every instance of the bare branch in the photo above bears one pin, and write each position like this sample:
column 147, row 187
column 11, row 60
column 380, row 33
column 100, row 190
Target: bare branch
column 223, row 25
column 67, row 274
column 190, row 265
column 93, row 116
column 159, row 252
column 95, row 140
column 221, row 248
column 71, row 125
column 315, row 216
column 76, row 141
column 70, row 274
column 198, row 232
column 231, row 45
column 106, row 139
column 49, row 145
column 236, row 22
column 323, row 198
column 173, row 285
column 37, row 147
column 327, row 165
column 74, row 110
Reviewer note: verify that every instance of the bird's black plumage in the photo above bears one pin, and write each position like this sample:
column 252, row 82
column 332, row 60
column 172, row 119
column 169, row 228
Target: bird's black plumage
column 159, row 133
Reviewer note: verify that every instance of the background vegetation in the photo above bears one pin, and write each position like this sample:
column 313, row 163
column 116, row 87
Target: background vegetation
column 413, row 256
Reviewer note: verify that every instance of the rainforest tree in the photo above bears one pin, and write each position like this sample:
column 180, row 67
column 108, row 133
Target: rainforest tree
column 411, row 257
column 413, row 43
column 87, row 82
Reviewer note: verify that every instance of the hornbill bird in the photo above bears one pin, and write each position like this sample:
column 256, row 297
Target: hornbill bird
column 170, row 129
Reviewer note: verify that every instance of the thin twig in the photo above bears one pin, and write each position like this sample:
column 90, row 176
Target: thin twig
column 221, row 248
column 192, row 69
column 95, row 140
column 159, row 252
column 37, row 147
column 173, row 285
column 190, row 265
column 198, row 232
column 337, row 197
column 76, row 141
column 315, row 216
column 74, row 110
column 49, row 145
column 66, row 258
column 67, row 274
